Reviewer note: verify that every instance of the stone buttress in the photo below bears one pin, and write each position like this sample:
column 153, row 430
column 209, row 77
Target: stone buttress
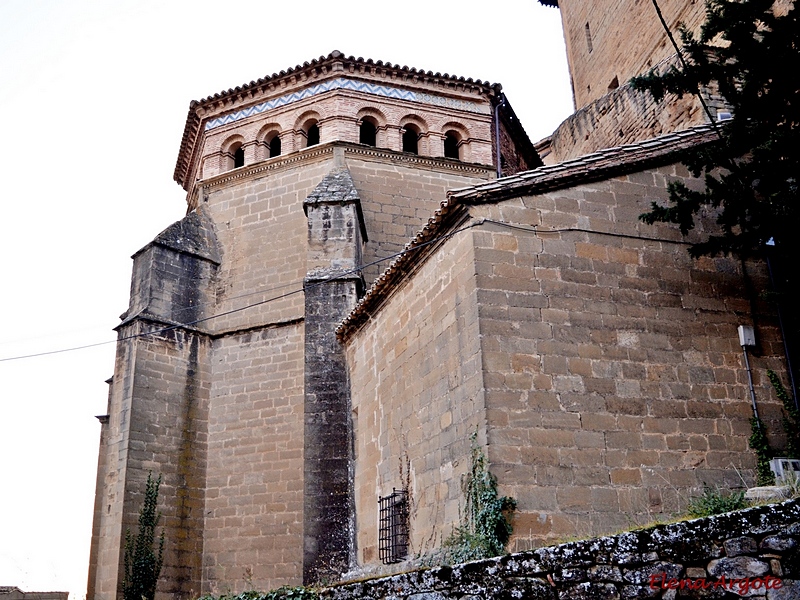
column 157, row 409
column 332, row 288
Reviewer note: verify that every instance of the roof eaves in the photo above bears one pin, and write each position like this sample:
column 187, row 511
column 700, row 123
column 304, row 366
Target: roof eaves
column 589, row 167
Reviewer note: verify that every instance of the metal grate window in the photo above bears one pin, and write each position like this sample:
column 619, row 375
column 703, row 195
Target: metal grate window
column 393, row 527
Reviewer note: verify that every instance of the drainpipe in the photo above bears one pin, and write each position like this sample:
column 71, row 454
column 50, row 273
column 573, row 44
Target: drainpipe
column 498, row 166
column 747, row 337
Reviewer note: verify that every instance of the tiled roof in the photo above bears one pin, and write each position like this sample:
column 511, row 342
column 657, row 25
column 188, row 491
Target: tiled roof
column 602, row 164
column 599, row 165
column 193, row 121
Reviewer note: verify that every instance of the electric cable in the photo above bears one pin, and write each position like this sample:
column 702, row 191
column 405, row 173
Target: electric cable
column 162, row 330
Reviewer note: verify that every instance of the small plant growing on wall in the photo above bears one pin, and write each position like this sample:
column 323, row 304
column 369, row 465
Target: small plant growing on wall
column 142, row 560
column 760, row 445
column 716, row 502
column 791, row 427
column 282, row 593
column 791, row 416
column 485, row 526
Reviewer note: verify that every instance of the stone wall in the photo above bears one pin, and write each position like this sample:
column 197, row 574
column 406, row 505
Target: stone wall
column 755, row 552
column 398, row 195
column 253, row 515
column 622, row 116
column 601, row 51
column 614, row 380
column 611, row 383
column 417, row 397
column 157, row 410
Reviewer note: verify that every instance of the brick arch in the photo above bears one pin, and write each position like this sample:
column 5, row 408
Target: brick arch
column 418, row 124
column 415, row 120
column 232, row 140
column 265, row 138
column 374, row 113
column 228, row 150
column 461, row 133
column 378, row 119
column 301, row 126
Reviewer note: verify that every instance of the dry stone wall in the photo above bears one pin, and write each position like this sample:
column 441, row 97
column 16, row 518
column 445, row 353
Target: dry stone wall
column 753, row 553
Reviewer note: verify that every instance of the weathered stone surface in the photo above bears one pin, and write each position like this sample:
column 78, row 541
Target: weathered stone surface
column 335, row 228
column 634, row 592
column 768, row 493
column 739, row 567
column 605, row 573
column 590, row 591
column 778, row 543
column 790, row 590
column 542, row 575
column 642, row 575
column 696, row 573
column 740, row 545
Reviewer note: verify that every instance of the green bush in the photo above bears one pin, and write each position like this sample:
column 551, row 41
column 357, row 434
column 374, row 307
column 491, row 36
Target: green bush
column 716, row 502
column 281, row 593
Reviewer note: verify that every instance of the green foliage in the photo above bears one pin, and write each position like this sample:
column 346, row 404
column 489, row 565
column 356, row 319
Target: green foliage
column 298, row 593
column 485, row 521
column 752, row 56
column 791, row 416
column 143, row 563
column 715, row 502
column 760, row 445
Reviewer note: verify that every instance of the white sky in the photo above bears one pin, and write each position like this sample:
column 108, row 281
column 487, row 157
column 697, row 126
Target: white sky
column 93, row 99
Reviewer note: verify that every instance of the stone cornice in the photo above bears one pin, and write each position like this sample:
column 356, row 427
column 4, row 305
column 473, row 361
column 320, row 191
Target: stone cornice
column 418, row 162
column 325, row 152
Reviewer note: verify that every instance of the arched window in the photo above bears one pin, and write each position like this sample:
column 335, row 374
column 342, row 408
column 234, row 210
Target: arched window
column 312, row 135
column 275, row 146
column 238, row 156
column 411, row 139
column 451, row 142
column 368, row 133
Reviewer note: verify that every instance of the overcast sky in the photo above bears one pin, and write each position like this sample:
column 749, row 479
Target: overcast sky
column 93, row 99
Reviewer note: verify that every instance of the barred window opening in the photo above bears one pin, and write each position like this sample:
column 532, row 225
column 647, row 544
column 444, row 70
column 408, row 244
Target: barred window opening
column 393, row 527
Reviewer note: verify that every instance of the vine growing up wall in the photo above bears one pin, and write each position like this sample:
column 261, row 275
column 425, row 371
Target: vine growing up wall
column 758, row 437
column 485, row 525
column 142, row 560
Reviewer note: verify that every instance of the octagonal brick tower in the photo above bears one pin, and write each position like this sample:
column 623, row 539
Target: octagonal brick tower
column 228, row 379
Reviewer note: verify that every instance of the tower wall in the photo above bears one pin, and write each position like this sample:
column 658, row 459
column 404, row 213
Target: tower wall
column 157, row 415
column 253, row 523
column 610, row 41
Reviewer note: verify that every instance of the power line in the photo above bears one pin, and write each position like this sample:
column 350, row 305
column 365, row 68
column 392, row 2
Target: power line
column 162, row 330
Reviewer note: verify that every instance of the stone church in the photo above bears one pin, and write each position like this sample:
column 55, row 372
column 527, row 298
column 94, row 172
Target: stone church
column 377, row 264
